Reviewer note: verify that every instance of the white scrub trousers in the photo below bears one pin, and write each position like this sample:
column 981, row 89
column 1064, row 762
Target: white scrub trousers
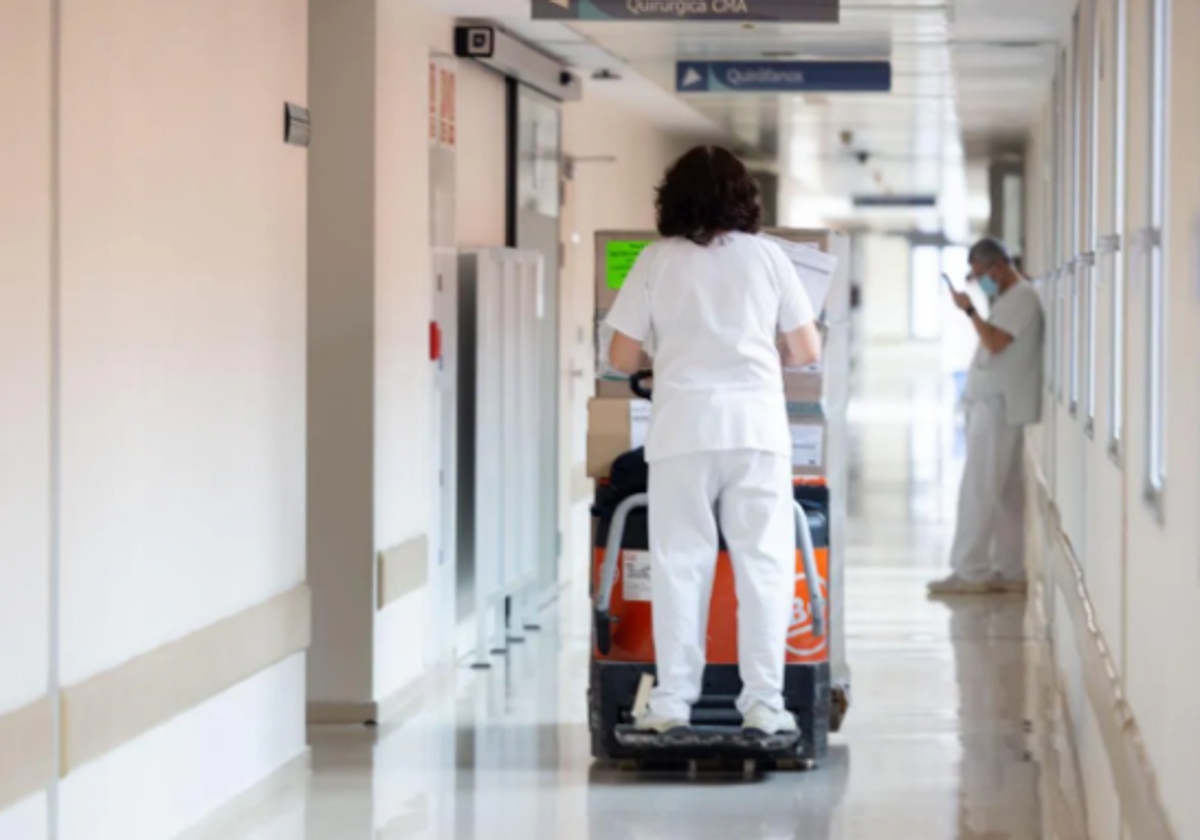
column 989, row 541
column 750, row 494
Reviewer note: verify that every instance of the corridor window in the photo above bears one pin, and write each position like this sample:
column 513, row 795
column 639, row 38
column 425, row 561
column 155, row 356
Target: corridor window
column 1061, row 239
column 1090, row 272
column 1073, row 271
column 1116, row 356
column 1155, row 258
column 1064, row 331
column 1075, row 215
column 1053, row 378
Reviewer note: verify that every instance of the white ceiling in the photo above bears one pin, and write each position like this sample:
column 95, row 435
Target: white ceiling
column 966, row 74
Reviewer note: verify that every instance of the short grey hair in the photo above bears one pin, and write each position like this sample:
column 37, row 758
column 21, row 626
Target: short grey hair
column 990, row 250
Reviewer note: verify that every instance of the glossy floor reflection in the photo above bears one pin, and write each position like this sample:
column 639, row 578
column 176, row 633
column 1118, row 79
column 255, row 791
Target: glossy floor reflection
column 953, row 732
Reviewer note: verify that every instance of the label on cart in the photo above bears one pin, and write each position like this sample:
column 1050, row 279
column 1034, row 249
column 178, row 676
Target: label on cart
column 635, row 575
column 639, row 423
column 807, row 445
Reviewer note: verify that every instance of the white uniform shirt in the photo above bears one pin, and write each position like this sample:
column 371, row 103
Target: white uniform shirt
column 1015, row 374
column 713, row 315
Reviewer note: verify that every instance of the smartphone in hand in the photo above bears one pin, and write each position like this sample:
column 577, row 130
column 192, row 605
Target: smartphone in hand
column 949, row 282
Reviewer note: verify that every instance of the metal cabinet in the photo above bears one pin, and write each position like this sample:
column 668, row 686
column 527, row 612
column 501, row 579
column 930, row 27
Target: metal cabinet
column 500, row 439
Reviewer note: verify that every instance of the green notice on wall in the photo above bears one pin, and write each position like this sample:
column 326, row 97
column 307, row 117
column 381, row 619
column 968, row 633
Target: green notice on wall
column 619, row 258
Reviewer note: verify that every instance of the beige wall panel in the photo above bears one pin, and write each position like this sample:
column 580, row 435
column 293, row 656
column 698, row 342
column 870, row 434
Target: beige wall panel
column 115, row 707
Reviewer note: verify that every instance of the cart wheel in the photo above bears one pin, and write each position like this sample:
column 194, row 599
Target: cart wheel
column 839, row 706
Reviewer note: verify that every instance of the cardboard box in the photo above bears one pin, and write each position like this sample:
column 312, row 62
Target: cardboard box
column 809, row 445
column 615, row 426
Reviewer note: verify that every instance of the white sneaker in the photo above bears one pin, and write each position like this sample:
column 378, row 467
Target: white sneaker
column 1015, row 586
column 955, row 585
column 651, row 722
column 762, row 719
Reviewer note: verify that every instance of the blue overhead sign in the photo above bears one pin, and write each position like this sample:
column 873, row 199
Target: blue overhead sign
column 783, row 76
column 714, row 11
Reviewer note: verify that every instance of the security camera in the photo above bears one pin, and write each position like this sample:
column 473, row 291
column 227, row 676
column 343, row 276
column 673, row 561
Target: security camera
column 863, row 157
column 480, row 41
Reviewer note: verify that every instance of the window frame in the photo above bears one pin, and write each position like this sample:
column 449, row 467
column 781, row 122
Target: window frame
column 1116, row 387
column 1155, row 258
column 1064, row 327
column 1093, row 215
column 1075, row 213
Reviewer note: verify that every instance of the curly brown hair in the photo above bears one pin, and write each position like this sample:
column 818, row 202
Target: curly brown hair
column 706, row 193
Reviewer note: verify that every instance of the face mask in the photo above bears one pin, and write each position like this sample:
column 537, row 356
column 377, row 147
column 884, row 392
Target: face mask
column 990, row 287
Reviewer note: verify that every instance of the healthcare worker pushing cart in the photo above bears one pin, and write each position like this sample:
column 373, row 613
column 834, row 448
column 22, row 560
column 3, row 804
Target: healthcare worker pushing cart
column 725, row 311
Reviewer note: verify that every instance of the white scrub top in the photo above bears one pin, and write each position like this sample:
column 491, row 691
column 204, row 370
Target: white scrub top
column 1015, row 374
column 714, row 315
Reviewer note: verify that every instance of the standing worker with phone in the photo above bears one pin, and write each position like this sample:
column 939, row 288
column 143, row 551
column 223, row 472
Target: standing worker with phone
column 1003, row 396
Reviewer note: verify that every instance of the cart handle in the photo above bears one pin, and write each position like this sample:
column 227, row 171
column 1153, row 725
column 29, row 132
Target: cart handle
column 638, row 386
column 612, row 553
column 816, row 601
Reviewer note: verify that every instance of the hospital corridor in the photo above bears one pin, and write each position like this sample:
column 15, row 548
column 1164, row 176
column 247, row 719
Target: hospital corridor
column 599, row 420
column 954, row 731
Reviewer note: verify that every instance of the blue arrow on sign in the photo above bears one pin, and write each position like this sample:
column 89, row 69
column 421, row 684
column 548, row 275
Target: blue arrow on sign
column 783, row 76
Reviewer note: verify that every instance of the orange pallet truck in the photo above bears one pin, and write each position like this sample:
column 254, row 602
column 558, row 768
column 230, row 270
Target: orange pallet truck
column 622, row 668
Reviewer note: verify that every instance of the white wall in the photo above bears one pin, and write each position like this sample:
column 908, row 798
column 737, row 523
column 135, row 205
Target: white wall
column 176, row 774
column 24, row 375
column 404, row 481
column 25, row 820
column 370, row 379
column 1141, row 567
column 183, row 320
column 24, row 350
column 482, row 157
column 183, row 268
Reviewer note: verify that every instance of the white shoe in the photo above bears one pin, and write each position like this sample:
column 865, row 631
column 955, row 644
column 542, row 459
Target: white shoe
column 651, row 722
column 1013, row 586
column 955, row 585
column 762, row 719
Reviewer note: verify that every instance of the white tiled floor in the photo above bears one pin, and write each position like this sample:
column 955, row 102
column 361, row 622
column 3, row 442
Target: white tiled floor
column 952, row 734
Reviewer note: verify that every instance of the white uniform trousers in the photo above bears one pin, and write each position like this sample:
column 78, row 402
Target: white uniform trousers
column 990, row 538
column 749, row 493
